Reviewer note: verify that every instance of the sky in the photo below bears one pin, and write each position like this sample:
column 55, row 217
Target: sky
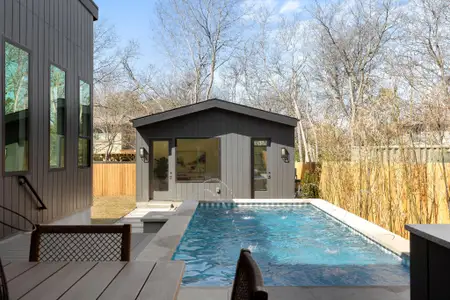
column 136, row 20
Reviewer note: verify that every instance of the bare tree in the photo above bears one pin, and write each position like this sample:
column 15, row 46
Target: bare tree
column 106, row 55
column 113, row 111
column 352, row 38
column 273, row 69
column 207, row 31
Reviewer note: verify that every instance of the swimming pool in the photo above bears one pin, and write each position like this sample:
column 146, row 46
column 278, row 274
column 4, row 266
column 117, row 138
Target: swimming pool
column 296, row 245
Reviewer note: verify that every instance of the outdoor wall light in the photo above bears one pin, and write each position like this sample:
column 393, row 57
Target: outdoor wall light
column 285, row 155
column 143, row 154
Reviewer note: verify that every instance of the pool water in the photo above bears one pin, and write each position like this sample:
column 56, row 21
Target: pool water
column 293, row 245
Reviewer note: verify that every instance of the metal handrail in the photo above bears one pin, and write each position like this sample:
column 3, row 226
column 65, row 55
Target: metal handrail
column 24, row 181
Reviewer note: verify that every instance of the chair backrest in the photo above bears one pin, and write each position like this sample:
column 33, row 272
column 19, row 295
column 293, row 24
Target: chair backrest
column 248, row 281
column 3, row 286
column 81, row 243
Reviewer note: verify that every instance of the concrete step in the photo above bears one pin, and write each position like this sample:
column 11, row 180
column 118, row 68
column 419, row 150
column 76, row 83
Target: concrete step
column 159, row 204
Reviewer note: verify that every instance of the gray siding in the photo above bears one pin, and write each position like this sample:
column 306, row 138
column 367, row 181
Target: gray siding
column 60, row 32
column 235, row 131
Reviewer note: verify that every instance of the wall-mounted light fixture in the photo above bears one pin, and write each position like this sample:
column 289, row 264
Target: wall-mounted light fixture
column 285, row 155
column 143, row 154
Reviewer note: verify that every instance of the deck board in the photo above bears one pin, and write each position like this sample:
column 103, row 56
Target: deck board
column 128, row 284
column 94, row 282
column 59, row 282
column 25, row 282
column 17, row 268
column 5, row 263
column 162, row 283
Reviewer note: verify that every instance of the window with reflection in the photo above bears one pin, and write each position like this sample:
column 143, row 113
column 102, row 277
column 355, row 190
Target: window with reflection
column 160, row 165
column 57, row 116
column 84, row 131
column 198, row 159
column 16, row 115
column 260, row 165
column 83, row 152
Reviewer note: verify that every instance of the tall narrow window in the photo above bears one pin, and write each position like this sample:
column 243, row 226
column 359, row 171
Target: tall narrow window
column 84, row 138
column 16, row 108
column 260, row 165
column 57, row 117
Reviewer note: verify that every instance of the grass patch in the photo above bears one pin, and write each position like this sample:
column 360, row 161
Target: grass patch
column 107, row 210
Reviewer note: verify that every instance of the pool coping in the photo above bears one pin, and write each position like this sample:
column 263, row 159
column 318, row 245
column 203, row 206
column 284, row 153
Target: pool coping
column 166, row 240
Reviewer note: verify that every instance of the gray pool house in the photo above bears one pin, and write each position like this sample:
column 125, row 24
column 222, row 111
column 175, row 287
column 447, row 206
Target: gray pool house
column 214, row 150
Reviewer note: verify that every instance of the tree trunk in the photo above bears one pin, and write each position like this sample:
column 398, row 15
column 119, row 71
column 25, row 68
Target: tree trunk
column 305, row 144
column 211, row 78
column 299, row 143
column 197, row 86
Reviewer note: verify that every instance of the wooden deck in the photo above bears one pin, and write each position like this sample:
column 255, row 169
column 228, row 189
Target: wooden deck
column 94, row 280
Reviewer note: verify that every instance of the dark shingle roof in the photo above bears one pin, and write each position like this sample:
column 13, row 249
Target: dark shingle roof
column 214, row 103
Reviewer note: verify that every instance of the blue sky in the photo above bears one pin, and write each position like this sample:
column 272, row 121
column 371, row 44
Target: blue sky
column 134, row 20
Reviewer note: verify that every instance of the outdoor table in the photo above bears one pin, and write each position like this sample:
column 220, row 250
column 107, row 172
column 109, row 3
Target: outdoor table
column 91, row 280
column 430, row 261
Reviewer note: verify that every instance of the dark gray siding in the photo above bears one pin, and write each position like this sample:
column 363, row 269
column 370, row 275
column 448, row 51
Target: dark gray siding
column 61, row 32
column 235, row 131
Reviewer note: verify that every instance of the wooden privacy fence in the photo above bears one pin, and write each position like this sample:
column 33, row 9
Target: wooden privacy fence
column 302, row 168
column 390, row 195
column 114, row 179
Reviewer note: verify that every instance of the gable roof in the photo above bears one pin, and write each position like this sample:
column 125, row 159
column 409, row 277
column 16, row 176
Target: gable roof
column 214, row 103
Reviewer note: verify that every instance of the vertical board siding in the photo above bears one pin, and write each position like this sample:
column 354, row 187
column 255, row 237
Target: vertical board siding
column 235, row 132
column 61, row 32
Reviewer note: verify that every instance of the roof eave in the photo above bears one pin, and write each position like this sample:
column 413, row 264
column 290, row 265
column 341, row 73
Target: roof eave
column 214, row 103
column 91, row 7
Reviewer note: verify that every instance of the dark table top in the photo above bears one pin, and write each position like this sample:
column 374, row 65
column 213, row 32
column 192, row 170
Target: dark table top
column 94, row 280
column 437, row 233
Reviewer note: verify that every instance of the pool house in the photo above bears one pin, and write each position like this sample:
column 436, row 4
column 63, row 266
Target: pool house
column 214, row 150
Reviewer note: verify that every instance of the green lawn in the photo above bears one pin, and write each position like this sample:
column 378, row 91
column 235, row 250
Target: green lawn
column 107, row 210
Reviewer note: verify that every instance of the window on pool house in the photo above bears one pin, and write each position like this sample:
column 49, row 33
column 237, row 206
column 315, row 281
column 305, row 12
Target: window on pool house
column 57, row 117
column 84, row 135
column 197, row 159
column 16, row 71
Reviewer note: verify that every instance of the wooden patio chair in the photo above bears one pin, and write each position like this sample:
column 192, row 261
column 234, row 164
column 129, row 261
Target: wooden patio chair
column 3, row 285
column 81, row 243
column 248, row 282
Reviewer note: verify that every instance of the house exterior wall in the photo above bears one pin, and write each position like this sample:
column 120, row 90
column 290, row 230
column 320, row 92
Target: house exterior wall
column 56, row 32
column 235, row 132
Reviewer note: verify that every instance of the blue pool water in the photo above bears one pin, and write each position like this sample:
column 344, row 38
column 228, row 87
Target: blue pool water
column 293, row 245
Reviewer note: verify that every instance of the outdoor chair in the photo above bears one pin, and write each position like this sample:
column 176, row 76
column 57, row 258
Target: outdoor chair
column 3, row 285
column 248, row 282
column 81, row 243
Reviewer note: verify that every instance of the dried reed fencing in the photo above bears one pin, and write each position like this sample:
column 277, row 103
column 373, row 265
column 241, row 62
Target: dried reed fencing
column 390, row 195
column 114, row 179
